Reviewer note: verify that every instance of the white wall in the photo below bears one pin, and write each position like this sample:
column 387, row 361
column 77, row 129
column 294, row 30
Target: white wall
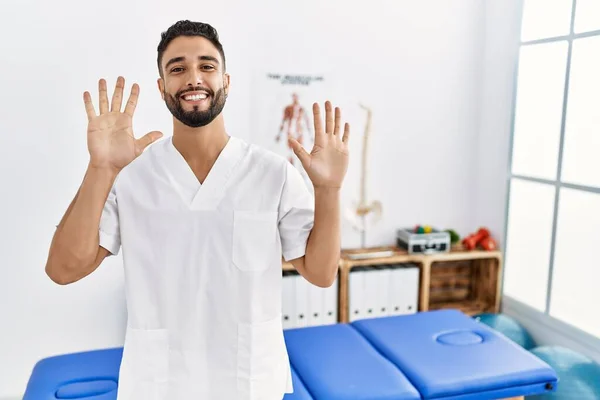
column 501, row 47
column 418, row 64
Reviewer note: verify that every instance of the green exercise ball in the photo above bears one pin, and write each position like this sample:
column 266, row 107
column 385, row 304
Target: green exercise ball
column 509, row 327
column 578, row 375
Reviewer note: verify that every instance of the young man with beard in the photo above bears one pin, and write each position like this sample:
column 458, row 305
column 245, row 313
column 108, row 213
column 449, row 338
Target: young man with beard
column 203, row 219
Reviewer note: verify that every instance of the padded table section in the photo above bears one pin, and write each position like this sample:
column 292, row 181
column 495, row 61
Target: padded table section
column 300, row 391
column 448, row 355
column 93, row 375
column 85, row 375
column 336, row 363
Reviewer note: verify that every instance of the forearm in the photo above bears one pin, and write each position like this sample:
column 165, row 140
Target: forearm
column 75, row 241
column 323, row 248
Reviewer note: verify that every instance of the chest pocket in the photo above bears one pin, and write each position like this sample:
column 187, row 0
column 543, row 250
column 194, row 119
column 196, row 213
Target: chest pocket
column 254, row 239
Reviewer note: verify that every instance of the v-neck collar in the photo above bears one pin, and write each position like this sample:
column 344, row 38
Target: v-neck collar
column 205, row 196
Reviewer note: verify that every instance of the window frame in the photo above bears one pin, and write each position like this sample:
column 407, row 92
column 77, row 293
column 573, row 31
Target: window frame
column 524, row 310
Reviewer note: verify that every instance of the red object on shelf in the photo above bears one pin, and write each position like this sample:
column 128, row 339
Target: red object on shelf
column 488, row 244
column 474, row 239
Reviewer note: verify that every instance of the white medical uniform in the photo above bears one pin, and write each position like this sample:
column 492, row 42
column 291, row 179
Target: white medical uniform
column 203, row 272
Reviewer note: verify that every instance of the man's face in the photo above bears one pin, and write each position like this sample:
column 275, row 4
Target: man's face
column 194, row 85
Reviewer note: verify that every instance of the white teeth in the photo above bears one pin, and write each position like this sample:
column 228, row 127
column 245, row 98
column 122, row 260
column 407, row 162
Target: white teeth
column 195, row 97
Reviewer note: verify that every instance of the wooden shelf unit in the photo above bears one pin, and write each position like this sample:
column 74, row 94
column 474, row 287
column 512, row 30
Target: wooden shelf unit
column 461, row 279
column 468, row 280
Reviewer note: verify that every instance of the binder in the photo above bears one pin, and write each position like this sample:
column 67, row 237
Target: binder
column 304, row 304
column 300, row 301
column 410, row 293
column 371, row 297
column 315, row 299
column 356, row 294
column 330, row 303
column 383, row 290
column 288, row 299
column 395, row 296
column 403, row 289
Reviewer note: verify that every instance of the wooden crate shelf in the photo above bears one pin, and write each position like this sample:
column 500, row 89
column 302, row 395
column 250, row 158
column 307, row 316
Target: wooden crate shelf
column 470, row 284
column 459, row 279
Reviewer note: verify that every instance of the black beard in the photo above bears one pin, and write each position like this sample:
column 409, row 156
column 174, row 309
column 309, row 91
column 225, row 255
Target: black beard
column 196, row 118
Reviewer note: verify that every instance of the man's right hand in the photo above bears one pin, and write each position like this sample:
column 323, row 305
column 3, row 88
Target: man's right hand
column 110, row 138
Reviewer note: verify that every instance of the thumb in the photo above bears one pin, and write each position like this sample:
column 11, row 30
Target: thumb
column 147, row 140
column 300, row 152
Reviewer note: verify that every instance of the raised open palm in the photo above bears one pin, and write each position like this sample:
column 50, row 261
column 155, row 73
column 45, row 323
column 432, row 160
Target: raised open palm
column 327, row 163
column 110, row 137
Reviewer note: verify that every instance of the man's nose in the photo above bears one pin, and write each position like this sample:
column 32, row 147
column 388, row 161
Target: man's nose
column 194, row 78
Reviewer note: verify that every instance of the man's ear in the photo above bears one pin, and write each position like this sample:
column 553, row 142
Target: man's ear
column 161, row 87
column 226, row 82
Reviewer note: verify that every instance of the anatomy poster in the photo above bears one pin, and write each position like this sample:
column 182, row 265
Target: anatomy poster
column 284, row 108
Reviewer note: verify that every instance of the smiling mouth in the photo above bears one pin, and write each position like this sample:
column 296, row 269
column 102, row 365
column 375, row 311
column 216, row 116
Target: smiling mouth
column 195, row 98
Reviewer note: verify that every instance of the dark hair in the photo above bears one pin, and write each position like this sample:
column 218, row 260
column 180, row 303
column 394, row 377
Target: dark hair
column 188, row 28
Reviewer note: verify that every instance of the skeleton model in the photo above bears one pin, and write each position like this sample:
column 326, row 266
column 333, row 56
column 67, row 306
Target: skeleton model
column 364, row 214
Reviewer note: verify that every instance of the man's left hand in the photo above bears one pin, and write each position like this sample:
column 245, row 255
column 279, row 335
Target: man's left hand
column 327, row 163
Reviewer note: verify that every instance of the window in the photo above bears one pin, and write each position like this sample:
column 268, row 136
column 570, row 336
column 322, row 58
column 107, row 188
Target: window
column 553, row 214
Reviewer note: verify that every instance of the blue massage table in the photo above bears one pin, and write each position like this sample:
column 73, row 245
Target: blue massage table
column 441, row 355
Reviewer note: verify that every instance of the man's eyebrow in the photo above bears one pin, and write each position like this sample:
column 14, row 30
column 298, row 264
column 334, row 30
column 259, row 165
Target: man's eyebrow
column 174, row 60
column 209, row 58
column 203, row 58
